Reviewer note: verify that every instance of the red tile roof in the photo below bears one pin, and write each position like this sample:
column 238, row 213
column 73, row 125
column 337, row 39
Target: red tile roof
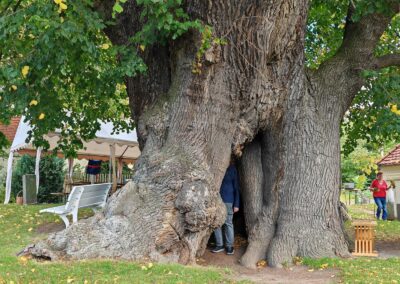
column 393, row 158
column 10, row 130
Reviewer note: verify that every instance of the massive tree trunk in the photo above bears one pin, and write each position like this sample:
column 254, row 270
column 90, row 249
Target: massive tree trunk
column 253, row 96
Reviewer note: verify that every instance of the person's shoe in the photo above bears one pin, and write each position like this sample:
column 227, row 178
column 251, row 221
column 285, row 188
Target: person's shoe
column 218, row 249
column 230, row 250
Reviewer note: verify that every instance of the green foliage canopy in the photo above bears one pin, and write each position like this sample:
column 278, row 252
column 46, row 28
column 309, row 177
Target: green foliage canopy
column 374, row 115
column 59, row 70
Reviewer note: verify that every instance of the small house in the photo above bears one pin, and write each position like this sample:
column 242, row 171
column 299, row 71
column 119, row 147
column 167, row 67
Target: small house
column 390, row 166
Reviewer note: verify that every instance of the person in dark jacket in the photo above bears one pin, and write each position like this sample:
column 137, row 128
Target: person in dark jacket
column 230, row 195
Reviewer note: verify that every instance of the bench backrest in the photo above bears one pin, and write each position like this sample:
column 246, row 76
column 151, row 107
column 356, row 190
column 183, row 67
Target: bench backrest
column 74, row 197
column 94, row 195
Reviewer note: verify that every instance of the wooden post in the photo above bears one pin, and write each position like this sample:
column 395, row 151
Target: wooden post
column 119, row 172
column 70, row 169
column 364, row 242
column 68, row 181
column 114, row 172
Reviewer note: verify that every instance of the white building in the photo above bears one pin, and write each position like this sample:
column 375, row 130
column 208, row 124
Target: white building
column 390, row 166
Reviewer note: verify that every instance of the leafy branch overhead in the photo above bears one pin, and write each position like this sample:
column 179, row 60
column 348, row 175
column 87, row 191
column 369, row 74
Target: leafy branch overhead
column 60, row 70
column 372, row 116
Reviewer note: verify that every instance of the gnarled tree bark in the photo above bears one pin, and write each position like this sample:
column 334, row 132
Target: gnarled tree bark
column 253, row 94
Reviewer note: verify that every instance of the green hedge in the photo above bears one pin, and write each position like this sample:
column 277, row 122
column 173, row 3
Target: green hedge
column 51, row 176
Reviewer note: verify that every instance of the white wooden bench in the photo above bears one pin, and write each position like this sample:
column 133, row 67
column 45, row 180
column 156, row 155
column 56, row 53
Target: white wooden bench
column 92, row 196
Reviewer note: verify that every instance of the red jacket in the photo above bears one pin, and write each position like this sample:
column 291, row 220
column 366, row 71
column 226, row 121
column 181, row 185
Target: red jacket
column 381, row 192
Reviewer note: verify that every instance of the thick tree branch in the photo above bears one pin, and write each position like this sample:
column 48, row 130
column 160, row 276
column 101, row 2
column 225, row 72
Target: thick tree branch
column 355, row 55
column 387, row 60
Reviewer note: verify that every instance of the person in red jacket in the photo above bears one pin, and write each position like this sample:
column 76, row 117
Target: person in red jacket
column 379, row 188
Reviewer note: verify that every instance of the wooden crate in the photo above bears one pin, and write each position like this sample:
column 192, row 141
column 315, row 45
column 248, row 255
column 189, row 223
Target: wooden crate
column 364, row 243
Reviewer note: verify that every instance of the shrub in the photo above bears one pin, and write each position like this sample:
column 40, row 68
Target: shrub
column 51, row 176
column 2, row 193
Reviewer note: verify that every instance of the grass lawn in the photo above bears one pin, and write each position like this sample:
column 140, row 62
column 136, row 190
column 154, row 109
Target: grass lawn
column 385, row 230
column 18, row 228
column 361, row 270
column 365, row 269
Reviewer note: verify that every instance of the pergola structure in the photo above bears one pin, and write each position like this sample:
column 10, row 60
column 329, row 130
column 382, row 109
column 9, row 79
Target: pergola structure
column 122, row 147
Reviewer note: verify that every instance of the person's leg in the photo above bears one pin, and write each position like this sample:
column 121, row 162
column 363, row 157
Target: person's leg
column 379, row 206
column 384, row 208
column 219, row 242
column 229, row 232
column 218, row 237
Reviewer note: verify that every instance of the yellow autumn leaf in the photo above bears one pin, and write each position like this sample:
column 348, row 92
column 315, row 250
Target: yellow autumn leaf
column 14, row 88
column 41, row 116
column 23, row 260
column 397, row 112
column 325, row 265
column 33, row 103
column 63, row 6
column 33, row 269
column 150, row 265
column 384, row 36
column 105, row 46
column 142, row 47
column 144, row 267
column 70, row 280
column 30, row 229
column 393, row 108
column 261, row 263
column 25, row 70
column 58, row 2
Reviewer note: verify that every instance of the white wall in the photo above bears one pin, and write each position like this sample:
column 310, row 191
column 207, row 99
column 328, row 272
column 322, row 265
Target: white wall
column 393, row 173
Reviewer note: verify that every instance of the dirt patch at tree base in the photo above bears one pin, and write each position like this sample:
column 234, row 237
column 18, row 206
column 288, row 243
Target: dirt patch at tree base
column 388, row 248
column 48, row 228
column 287, row 275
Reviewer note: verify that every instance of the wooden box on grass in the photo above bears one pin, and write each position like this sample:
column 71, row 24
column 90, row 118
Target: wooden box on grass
column 364, row 242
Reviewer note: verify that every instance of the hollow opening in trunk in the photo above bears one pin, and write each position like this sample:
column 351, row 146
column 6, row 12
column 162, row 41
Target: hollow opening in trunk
column 240, row 231
column 238, row 221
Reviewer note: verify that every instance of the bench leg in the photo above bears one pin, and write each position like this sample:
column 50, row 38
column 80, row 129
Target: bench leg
column 75, row 216
column 65, row 219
